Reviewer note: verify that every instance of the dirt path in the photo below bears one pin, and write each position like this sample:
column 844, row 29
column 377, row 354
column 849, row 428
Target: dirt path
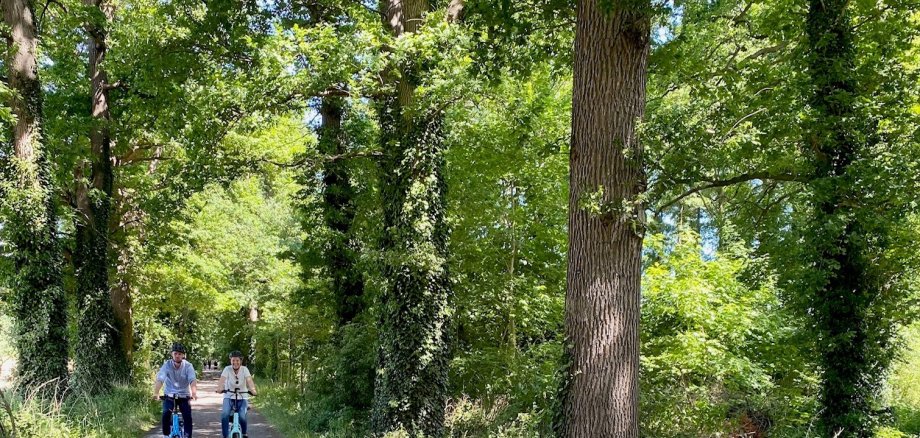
column 206, row 413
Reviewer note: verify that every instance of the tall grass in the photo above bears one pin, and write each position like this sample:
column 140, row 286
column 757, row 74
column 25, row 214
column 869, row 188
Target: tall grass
column 905, row 385
column 126, row 412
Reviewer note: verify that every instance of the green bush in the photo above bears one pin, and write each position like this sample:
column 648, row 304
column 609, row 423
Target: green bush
column 472, row 418
column 718, row 354
column 299, row 415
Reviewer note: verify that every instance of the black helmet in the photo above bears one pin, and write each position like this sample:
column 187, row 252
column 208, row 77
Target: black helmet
column 179, row 348
column 236, row 353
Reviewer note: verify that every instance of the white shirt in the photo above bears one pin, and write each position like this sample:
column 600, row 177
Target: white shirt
column 176, row 381
column 236, row 380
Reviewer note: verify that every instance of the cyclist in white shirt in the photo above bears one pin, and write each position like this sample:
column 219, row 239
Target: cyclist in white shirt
column 235, row 377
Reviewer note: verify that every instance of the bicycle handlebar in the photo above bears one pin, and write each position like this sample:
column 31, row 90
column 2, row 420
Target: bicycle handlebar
column 236, row 391
column 174, row 397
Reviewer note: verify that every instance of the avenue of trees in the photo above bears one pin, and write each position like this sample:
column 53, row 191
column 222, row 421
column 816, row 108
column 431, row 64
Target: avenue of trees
column 591, row 218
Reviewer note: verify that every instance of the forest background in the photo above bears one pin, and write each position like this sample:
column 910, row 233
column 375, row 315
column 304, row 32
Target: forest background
column 340, row 191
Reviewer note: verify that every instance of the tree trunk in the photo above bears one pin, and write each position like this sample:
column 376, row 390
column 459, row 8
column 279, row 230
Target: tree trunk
column 38, row 301
column 123, row 306
column 339, row 213
column 253, row 321
column 341, row 255
column 98, row 333
column 411, row 385
column 852, row 366
column 606, row 221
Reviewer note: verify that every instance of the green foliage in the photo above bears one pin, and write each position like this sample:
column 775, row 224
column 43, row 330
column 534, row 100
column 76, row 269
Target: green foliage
column 333, row 396
column 507, row 155
column 736, row 128
column 227, row 254
column 519, row 36
column 230, row 197
column 718, row 355
column 904, row 384
column 125, row 412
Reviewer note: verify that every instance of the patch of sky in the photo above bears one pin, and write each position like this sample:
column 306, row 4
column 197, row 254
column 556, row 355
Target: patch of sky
column 311, row 116
column 663, row 31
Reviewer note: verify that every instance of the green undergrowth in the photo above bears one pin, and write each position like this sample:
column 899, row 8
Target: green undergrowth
column 301, row 416
column 126, row 412
column 905, row 385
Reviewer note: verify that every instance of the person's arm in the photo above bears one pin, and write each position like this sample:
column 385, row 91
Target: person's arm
column 251, row 385
column 193, row 380
column 221, row 384
column 156, row 389
column 157, row 384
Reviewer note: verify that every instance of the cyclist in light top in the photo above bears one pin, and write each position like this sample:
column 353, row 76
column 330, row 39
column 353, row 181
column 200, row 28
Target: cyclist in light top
column 235, row 377
column 177, row 377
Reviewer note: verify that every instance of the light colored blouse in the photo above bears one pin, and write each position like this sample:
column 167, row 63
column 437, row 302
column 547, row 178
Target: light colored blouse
column 236, row 380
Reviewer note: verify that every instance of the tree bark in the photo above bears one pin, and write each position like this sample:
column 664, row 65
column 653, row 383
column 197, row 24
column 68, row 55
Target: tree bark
column 339, row 214
column 350, row 387
column 38, row 301
column 98, row 329
column 123, row 306
column 411, row 386
column 606, row 221
column 850, row 341
column 253, row 321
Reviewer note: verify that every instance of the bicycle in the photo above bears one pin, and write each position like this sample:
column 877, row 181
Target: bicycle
column 235, row 430
column 176, row 430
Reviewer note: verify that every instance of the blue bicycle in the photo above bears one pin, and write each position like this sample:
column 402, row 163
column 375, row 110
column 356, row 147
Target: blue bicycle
column 176, row 430
column 235, row 430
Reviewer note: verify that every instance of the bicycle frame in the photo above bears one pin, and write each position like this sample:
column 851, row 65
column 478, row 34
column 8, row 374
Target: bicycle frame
column 176, row 429
column 236, row 430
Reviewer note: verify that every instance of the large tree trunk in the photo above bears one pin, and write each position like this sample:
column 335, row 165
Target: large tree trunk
column 98, row 329
column 355, row 377
column 38, row 301
column 101, row 139
column 606, row 221
column 339, row 213
column 410, row 390
column 351, row 386
column 123, row 307
column 849, row 340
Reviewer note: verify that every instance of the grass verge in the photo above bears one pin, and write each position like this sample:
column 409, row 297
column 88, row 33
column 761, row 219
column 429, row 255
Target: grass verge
column 124, row 413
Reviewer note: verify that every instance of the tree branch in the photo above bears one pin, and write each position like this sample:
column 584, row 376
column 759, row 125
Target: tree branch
column 745, row 177
column 767, row 51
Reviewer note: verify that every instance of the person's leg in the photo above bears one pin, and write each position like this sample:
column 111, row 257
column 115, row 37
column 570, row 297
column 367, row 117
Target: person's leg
column 167, row 415
column 186, row 407
column 225, row 418
column 244, row 407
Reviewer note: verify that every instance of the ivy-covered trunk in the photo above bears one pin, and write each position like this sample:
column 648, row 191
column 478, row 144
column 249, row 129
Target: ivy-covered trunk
column 852, row 340
column 411, row 384
column 606, row 221
column 356, row 377
column 38, row 302
column 339, row 214
column 98, row 331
